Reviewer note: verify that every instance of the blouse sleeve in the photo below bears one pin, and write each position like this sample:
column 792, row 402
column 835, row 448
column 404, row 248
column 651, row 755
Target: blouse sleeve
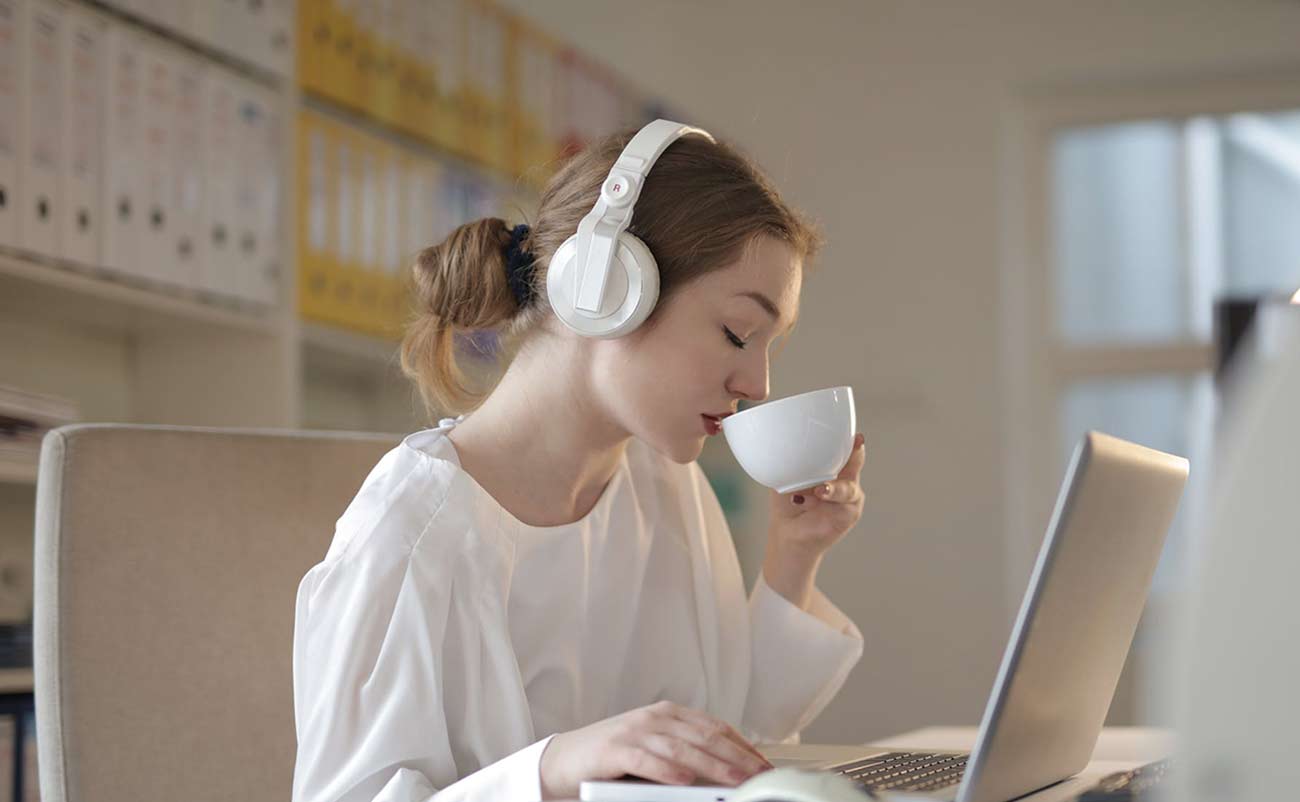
column 800, row 660
column 370, row 636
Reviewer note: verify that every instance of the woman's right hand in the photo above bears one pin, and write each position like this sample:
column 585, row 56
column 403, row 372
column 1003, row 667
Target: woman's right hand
column 663, row 742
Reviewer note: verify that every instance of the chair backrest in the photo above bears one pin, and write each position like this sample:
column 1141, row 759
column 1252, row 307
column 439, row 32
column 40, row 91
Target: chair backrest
column 167, row 565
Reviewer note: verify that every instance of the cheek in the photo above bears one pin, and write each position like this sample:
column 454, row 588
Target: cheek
column 657, row 384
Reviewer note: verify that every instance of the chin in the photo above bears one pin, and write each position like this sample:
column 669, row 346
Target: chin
column 686, row 451
column 679, row 450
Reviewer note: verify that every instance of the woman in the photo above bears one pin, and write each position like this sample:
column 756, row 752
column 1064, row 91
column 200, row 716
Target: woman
column 545, row 591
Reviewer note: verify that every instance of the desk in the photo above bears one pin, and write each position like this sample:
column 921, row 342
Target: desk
column 1117, row 749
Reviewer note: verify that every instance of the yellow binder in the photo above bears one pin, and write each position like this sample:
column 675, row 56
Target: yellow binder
column 448, row 50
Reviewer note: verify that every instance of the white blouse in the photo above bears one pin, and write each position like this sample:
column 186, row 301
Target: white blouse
column 441, row 641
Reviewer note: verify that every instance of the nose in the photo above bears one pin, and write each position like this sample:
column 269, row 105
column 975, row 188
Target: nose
column 750, row 382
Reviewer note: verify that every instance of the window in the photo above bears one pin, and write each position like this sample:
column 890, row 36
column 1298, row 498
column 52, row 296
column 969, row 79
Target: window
column 1151, row 222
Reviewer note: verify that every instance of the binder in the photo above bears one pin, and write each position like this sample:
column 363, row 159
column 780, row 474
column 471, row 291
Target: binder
column 83, row 131
column 338, row 50
column 157, row 162
column 187, row 245
column 276, row 36
column 258, row 33
column 573, row 120
column 451, row 199
column 448, row 49
column 365, row 314
column 316, row 233
column 203, row 20
column 219, row 273
column 485, row 91
column 10, row 116
column 381, row 93
column 355, row 52
column 232, row 29
column 418, row 183
column 421, row 27
column 250, row 121
column 40, row 134
column 533, row 85
column 121, row 208
column 388, row 321
column 343, row 285
column 312, row 35
column 260, row 215
column 408, row 70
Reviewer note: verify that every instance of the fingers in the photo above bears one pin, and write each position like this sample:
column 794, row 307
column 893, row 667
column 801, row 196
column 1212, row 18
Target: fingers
column 857, row 458
column 719, row 740
column 649, row 765
column 694, row 760
column 705, row 721
column 696, row 742
column 840, row 491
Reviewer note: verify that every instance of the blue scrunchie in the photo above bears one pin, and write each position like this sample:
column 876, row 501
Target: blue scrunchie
column 519, row 264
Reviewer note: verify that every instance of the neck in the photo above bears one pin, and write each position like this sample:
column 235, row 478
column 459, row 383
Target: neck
column 539, row 443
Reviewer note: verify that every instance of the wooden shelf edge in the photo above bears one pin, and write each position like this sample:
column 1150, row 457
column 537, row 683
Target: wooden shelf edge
column 354, row 345
column 17, row 680
column 92, row 284
column 18, row 474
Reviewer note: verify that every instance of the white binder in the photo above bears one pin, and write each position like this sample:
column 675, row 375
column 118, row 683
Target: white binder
column 83, row 131
column 260, row 193
column 122, row 211
column 10, row 119
column 220, row 269
column 188, row 245
column 40, row 133
column 272, row 40
column 201, row 19
column 232, row 28
column 159, row 88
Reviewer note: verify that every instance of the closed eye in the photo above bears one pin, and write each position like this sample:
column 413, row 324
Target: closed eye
column 736, row 341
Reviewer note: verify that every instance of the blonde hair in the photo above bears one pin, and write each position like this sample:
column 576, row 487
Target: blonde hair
column 700, row 206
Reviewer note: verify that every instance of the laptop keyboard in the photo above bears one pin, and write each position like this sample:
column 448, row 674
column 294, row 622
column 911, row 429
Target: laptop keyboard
column 906, row 771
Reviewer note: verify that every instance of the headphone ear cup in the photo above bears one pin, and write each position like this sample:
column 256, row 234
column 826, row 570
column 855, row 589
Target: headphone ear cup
column 631, row 291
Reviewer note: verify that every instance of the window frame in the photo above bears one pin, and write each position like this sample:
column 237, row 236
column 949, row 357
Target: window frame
column 1037, row 367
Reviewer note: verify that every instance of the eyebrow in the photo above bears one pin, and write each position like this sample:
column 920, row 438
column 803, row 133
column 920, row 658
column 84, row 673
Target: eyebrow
column 768, row 306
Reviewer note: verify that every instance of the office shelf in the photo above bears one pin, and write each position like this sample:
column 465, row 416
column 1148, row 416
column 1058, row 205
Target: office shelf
column 94, row 297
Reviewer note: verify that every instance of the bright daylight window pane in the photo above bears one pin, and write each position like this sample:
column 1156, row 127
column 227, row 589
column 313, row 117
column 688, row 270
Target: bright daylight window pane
column 1119, row 265
column 1261, row 185
column 1166, row 412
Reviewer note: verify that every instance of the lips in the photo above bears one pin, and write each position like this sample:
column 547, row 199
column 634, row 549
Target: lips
column 713, row 423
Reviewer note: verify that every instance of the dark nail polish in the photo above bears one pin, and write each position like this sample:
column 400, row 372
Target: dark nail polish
column 798, row 499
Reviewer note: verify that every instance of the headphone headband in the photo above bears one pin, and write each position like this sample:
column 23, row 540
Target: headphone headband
column 598, row 232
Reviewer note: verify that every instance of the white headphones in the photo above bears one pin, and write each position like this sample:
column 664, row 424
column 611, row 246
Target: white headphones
column 603, row 282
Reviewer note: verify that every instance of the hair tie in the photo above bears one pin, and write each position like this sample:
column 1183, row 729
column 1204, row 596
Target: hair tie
column 519, row 265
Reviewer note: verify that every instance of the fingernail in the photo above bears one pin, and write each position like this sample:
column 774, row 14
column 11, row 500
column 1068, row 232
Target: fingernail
column 824, row 490
column 798, row 499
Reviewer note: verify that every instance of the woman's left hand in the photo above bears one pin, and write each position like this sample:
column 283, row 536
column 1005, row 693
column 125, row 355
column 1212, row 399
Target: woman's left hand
column 812, row 520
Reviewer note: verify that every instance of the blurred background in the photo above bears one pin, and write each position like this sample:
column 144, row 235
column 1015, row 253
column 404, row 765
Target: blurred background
column 1042, row 217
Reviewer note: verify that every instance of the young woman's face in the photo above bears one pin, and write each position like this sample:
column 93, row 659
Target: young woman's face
column 707, row 350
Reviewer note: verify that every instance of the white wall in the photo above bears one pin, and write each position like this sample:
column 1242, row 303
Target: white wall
column 883, row 120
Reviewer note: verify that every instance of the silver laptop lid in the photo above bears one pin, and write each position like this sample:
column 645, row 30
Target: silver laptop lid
column 1077, row 620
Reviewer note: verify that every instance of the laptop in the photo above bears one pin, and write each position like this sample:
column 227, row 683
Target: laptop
column 1067, row 648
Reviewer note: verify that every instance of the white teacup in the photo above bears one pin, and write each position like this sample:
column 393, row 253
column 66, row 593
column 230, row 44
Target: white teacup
column 795, row 442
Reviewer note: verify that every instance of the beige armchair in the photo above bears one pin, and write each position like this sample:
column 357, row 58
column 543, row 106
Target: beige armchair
column 167, row 563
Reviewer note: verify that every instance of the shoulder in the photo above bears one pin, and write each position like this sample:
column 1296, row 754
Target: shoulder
column 400, row 498
column 414, row 524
